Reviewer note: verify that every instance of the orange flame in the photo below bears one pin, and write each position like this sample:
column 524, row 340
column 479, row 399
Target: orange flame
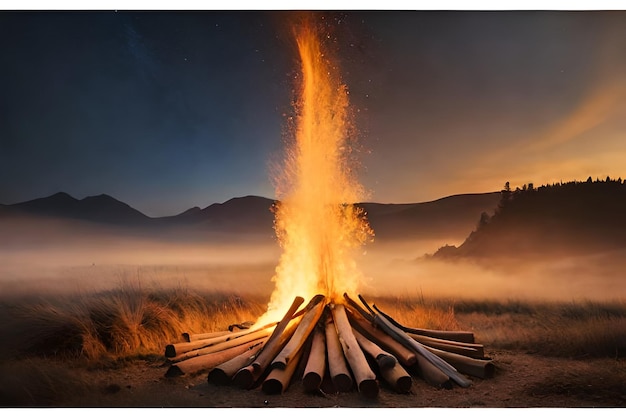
column 316, row 221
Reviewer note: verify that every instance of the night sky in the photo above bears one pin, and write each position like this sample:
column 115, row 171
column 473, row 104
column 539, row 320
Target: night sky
column 170, row 110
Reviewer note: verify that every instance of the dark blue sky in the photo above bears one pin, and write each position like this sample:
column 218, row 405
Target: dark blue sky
column 171, row 110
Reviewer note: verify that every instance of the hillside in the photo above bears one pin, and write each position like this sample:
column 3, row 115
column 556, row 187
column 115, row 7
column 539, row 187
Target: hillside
column 446, row 217
column 573, row 217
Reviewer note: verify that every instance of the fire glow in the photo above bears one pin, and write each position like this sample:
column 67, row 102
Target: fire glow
column 316, row 222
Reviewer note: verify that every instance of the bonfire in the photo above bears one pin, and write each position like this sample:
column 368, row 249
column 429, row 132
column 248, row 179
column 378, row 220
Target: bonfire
column 334, row 342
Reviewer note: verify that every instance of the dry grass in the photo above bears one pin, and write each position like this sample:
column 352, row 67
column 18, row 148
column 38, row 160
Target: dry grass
column 127, row 321
column 134, row 321
column 571, row 330
column 48, row 344
column 419, row 312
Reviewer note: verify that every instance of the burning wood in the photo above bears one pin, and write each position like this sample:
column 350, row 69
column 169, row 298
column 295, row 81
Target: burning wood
column 318, row 225
column 354, row 346
column 247, row 376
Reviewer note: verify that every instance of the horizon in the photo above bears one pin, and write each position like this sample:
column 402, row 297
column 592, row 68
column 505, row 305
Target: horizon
column 223, row 201
column 512, row 187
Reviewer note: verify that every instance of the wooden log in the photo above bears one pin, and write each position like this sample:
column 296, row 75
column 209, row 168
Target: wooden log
column 284, row 322
column 316, row 363
column 178, row 349
column 255, row 335
column 383, row 359
column 471, row 350
column 397, row 377
column 454, row 335
column 356, row 307
column 470, row 366
column 278, row 379
column 403, row 354
column 248, row 375
column 337, row 365
column 223, row 373
column 388, row 366
column 418, row 348
column 204, row 362
column 305, row 327
column 364, row 377
column 431, row 374
column 192, row 337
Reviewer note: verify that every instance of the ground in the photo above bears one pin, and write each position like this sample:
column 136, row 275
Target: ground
column 521, row 380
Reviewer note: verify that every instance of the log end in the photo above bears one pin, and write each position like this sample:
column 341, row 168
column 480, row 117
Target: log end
column 243, row 378
column 369, row 388
column 386, row 361
column 343, row 382
column 170, row 351
column 312, row 382
column 490, row 370
column 186, row 337
column 174, row 371
column 218, row 377
column 403, row 384
column 272, row 386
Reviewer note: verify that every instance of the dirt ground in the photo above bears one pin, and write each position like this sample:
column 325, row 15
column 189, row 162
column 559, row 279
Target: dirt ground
column 521, row 380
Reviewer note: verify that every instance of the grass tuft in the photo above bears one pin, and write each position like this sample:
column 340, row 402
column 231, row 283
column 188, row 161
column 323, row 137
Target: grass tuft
column 129, row 321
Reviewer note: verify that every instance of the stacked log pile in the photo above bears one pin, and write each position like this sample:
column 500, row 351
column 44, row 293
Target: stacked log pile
column 331, row 346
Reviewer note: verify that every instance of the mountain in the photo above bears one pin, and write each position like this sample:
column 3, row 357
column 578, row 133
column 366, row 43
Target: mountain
column 99, row 209
column 453, row 215
column 251, row 214
column 573, row 217
column 449, row 216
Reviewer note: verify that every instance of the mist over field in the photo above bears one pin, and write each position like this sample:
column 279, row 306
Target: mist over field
column 570, row 278
column 55, row 256
column 60, row 256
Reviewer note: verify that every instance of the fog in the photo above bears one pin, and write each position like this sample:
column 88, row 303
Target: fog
column 46, row 258
column 567, row 278
column 51, row 256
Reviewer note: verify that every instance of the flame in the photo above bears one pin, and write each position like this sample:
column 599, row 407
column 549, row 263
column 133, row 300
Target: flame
column 316, row 222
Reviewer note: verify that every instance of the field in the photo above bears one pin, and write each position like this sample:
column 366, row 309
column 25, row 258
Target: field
column 104, row 348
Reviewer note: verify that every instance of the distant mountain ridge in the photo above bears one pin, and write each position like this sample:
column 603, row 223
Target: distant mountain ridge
column 101, row 208
column 252, row 214
column 442, row 217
